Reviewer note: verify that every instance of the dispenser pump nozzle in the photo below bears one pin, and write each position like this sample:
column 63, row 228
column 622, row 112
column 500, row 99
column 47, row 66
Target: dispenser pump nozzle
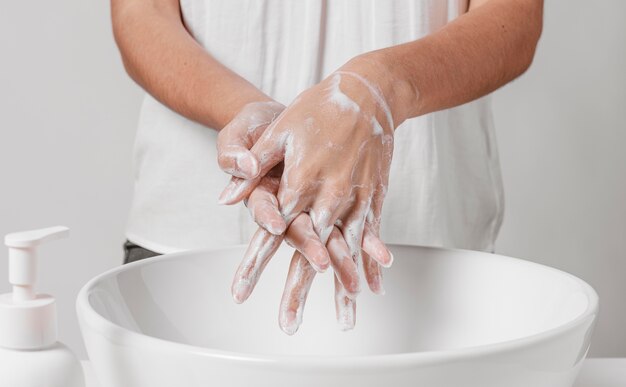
column 27, row 320
column 23, row 258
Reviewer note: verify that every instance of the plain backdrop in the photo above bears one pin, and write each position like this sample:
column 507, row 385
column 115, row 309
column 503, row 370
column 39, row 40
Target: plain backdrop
column 68, row 114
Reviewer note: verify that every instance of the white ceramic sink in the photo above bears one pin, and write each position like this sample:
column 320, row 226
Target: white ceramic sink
column 450, row 318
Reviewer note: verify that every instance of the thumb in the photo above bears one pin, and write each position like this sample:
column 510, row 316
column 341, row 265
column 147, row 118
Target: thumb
column 233, row 155
column 236, row 138
column 269, row 150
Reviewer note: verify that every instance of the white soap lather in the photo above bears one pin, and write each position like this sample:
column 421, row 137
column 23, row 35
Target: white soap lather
column 29, row 351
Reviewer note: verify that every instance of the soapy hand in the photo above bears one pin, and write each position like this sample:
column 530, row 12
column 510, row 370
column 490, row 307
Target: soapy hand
column 243, row 131
column 336, row 142
column 234, row 157
column 309, row 249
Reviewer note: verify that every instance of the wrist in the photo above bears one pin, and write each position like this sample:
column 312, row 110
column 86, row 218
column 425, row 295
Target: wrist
column 378, row 68
column 235, row 105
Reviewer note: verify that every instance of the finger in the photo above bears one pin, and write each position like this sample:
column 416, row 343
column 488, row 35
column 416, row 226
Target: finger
column 323, row 215
column 373, row 274
column 345, row 307
column 299, row 280
column 263, row 206
column 301, row 236
column 371, row 240
column 238, row 136
column 260, row 250
column 375, row 248
column 352, row 227
column 341, row 261
column 269, row 150
column 378, row 197
column 295, row 194
column 238, row 161
column 233, row 144
column 237, row 190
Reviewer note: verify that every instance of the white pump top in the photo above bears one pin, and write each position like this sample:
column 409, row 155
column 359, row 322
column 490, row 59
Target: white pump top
column 27, row 320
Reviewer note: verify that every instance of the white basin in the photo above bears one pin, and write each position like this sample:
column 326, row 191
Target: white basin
column 450, row 318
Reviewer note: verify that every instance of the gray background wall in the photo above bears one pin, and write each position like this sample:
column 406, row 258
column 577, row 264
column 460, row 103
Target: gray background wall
column 68, row 113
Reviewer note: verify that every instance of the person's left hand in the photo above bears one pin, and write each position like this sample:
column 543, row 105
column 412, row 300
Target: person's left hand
column 234, row 157
column 301, row 236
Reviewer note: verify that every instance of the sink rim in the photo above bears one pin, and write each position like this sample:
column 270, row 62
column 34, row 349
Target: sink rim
column 116, row 333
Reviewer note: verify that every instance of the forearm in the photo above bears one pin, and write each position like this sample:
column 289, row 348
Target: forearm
column 468, row 58
column 163, row 58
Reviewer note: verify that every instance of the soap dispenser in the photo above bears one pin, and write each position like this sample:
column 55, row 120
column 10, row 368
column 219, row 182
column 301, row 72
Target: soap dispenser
column 30, row 355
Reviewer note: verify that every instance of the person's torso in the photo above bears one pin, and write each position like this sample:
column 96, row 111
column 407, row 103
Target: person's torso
column 445, row 187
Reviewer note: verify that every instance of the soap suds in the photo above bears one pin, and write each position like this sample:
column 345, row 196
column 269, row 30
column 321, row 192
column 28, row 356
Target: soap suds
column 261, row 249
column 376, row 93
column 339, row 98
column 345, row 307
column 300, row 278
column 377, row 130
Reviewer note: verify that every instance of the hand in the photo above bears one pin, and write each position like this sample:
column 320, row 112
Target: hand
column 235, row 158
column 237, row 137
column 233, row 142
column 302, row 237
column 336, row 140
column 337, row 156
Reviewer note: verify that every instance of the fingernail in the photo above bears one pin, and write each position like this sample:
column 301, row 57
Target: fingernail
column 390, row 259
column 289, row 322
column 276, row 227
column 323, row 259
column 247, row 165
column 233, row 190
column 322, row 267
column 389, row 262
column 318, row 257
column 241, row 292
column 227, row 193
column 321, row 263
column 242, row 285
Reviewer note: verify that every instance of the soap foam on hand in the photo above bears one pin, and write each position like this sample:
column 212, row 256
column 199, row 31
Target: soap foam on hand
column 343, row 186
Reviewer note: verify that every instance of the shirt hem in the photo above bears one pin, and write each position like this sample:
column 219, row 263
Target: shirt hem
column 153, row 246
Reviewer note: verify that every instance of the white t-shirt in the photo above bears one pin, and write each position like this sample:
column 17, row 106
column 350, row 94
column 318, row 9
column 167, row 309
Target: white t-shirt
column 445, row 187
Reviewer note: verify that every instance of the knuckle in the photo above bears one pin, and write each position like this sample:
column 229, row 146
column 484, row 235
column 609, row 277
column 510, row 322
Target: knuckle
column 223, row 160
column 339, row 191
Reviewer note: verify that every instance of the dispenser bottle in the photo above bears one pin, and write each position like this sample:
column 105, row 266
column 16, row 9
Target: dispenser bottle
column 30, row 355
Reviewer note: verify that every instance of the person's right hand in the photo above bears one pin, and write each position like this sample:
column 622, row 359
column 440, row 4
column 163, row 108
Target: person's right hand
column 234, row 157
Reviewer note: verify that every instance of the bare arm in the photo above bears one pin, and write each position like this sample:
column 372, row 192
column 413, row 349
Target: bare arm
column 162, row 57
column 493, row 43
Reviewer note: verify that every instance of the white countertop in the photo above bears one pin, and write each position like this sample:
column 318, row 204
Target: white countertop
column 603, row 373
column 595, row 373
